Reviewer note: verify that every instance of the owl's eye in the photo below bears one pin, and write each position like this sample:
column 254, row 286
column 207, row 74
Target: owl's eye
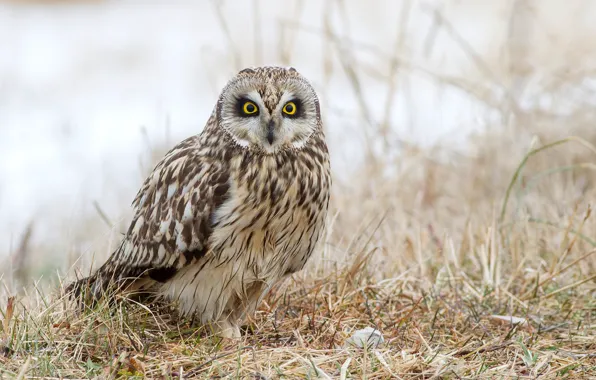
column 249, row 108
column 290, row 108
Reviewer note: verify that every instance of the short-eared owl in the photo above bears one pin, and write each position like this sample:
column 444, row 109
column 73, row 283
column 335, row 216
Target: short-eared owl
column 231, row 211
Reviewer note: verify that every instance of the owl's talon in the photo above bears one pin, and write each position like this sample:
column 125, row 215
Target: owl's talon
column 226, row 329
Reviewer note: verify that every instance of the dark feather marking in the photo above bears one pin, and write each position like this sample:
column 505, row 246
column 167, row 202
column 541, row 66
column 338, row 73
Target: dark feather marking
column 206, row 301
column 249, row 239
column 187, row 234
column 254, row 220
column 205, row 262
column 162, row 274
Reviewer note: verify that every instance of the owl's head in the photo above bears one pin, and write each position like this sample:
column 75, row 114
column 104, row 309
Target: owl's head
column 269, row 109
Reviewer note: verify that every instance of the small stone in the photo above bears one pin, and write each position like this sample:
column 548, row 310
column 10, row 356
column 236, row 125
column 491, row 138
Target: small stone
column 367, row 337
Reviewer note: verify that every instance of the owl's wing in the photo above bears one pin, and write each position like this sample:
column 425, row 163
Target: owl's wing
column 172, row 222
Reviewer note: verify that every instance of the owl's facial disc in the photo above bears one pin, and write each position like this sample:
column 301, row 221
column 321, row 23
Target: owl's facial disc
column 270, row 116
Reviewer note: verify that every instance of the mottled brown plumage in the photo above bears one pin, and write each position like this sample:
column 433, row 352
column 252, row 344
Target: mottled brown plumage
column 228, row 213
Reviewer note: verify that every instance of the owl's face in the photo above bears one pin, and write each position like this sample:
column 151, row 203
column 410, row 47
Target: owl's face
column 269, row 109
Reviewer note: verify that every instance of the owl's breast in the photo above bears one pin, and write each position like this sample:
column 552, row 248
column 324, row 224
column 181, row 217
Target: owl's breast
column 273, row 214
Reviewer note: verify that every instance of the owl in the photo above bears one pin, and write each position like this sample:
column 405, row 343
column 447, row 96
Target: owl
column 230, row 212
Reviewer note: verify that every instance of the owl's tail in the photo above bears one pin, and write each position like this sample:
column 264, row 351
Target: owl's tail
column 88, row 290
column 106, row 283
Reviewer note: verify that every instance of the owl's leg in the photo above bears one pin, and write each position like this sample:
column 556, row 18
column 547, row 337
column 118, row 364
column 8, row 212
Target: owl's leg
column 241, row 304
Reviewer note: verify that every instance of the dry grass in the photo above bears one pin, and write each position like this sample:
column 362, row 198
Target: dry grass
column 448, row 330
column 472, row 265
column 449, row 314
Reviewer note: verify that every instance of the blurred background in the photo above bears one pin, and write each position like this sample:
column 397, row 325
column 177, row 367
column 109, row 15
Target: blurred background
column 92, row 93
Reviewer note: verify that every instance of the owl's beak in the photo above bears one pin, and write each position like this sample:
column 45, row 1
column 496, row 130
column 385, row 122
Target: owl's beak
column 271, row 131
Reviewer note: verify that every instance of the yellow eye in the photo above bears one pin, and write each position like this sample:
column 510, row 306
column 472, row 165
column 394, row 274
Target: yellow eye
column 250, row 108
column 290, row 108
